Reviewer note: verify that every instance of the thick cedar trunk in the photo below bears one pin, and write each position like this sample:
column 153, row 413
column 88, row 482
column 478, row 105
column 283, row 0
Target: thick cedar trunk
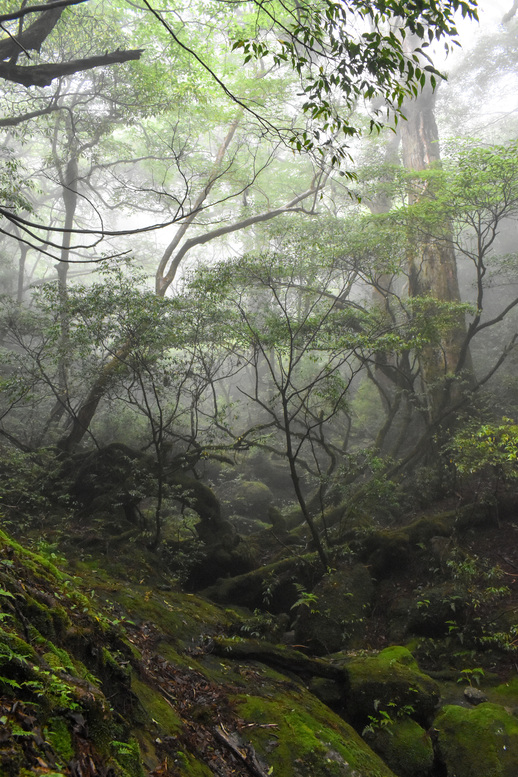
column 432, row 265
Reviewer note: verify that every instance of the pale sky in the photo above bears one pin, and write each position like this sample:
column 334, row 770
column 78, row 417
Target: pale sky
column 490, row 14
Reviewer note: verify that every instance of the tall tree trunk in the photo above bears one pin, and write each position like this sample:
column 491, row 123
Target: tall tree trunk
column 432, row 265
column 69, row 184
column 24, row 249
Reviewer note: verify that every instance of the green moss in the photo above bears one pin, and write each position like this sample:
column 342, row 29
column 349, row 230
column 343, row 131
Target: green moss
column 18, row 646
column 39, row 617
column 58, row 660
column 396, row 654
column 506, row 693
column 32, row 561
column 294, row 733
column 390, row 680
column 127, row 755
column 271, row 584
column 337, row 618
column 405, row 747
column 478, row 742
column 188, row 766
column 26, row 773
column 57, row 733
column 247, row 495
column 157, row 708
column 183, row 617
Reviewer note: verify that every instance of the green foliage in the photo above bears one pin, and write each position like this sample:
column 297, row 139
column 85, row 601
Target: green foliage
column 316, row 44
column 14, row 188
column 471, row 676
column 305, row 599
column 472, row 603
column 28, row 486
column 388, row 717
column 261, row 626
column 489, row 447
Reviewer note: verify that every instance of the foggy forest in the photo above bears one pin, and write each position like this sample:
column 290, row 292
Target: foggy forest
column 258, row 388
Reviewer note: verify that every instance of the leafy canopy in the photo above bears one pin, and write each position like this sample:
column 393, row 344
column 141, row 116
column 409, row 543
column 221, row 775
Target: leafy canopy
column 349, row 51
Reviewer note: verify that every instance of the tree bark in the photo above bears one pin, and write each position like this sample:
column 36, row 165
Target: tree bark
column 33, row 38
column 43, row 75
column 432, row 266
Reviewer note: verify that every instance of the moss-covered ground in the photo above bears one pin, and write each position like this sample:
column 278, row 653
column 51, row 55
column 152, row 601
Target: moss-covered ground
column 108, row 668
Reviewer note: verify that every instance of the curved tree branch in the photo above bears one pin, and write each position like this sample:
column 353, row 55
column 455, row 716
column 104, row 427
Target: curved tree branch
column 43, row 75
column 9, row 17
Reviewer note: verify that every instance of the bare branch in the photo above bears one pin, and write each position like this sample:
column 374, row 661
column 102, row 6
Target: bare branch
column 164, row 282
column 15, row 120
column 512, row 11
column 43, row 75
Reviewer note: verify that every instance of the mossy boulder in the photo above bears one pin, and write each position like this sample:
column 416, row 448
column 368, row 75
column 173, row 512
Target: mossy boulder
column 247, row 497
column 390, row 681
column 404, row 746
column 335, row 619
column 273, row 587
column 295, row 735
column 390, row 550
column 53, row 709
column 225, row 554
column 386, row 551
column 478, row 742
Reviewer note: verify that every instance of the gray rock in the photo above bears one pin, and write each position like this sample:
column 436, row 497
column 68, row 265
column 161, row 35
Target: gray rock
column 474, row 695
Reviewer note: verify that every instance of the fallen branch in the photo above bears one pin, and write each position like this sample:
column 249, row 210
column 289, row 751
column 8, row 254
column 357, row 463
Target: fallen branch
column 245, row 753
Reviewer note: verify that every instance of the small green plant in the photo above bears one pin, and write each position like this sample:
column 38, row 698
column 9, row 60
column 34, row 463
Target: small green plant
column 269, row 586
column 49, row 551
column 471, row 676
column 259, row 626
column 386, row 718
column 305, row 599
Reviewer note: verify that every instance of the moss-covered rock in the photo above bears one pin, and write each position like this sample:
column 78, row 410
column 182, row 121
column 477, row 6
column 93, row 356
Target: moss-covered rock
column 387, row 551
column 506, row 693
column 53, row 710
column 295, row 735
column 335, row 618
column 404, row 746
column 247, row 497
column 60, row 737
column 273, row 587
column 478, row 742
column 390, row 681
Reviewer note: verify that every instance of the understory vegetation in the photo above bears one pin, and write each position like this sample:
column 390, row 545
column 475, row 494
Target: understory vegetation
column 258, row 399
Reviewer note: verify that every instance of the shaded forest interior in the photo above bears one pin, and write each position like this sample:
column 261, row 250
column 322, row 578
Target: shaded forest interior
column 258, row 394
